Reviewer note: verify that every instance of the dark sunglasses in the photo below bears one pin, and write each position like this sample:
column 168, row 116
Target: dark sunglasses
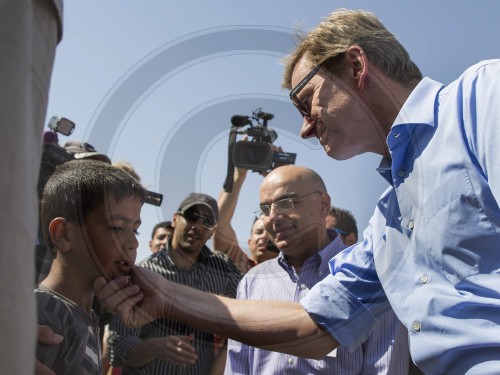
column 193, row 217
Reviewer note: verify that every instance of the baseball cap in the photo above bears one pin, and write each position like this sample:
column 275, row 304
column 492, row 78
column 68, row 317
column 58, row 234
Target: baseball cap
column 195, row 199
column 84, row 150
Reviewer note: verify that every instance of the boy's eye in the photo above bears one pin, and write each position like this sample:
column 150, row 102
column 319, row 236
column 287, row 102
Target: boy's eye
column 136, row 232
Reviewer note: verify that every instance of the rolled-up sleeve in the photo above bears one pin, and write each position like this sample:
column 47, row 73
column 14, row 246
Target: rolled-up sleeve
column 349, row 301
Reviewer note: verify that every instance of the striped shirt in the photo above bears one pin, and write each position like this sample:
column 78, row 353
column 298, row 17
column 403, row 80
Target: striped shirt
column 79, row 352
column 213, row 272
column 385, row 351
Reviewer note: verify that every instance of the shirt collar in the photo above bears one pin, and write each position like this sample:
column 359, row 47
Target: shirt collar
column 419, row 107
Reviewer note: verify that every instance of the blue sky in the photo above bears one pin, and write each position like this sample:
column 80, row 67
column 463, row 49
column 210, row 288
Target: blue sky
column 155, row 83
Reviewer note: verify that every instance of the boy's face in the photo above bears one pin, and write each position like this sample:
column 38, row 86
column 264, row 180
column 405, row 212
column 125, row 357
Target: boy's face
column 110, row 237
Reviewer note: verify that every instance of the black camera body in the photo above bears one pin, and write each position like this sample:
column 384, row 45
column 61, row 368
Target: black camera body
column 257, row 154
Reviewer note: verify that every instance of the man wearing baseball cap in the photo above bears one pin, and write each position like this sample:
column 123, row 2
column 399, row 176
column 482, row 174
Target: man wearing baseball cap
column 166, row 346
column 84, row 150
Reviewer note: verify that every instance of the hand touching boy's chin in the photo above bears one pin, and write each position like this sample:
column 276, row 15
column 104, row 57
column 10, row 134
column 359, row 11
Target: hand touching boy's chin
column 120, row 268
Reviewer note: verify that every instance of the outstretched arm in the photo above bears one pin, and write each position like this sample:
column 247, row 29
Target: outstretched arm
column 273, row 325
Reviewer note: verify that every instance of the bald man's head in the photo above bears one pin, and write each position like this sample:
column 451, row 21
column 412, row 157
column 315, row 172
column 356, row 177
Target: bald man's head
column 295, row 204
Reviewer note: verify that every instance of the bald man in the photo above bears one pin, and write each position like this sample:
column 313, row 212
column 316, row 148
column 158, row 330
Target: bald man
column 295, row 205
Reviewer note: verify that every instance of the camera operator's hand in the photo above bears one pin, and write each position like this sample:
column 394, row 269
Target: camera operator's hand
column 274, row 148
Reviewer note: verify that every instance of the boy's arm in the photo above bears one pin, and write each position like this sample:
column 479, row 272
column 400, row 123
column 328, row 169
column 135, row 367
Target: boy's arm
column 273, row 325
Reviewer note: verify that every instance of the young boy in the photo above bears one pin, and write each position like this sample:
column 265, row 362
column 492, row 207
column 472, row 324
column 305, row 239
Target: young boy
column 90, row 215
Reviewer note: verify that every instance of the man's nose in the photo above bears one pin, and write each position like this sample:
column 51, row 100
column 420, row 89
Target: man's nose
column 198, row 224
column 273, row 213
column 308, row 129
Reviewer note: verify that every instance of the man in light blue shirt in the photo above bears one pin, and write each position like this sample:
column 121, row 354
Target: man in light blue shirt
column 295, row 205
column 432, row 248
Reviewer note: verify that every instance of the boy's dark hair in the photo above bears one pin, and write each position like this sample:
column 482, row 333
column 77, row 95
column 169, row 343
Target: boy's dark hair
column 161, row 224
column 345, row 220
column 79, row 186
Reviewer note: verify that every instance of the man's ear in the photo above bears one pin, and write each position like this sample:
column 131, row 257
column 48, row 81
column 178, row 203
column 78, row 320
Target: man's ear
column 325, row 204
column 358, row 65
column 350, row 239
column 58, row 229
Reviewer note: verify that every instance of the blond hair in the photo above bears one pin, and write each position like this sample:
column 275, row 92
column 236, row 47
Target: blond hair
column 345, row 28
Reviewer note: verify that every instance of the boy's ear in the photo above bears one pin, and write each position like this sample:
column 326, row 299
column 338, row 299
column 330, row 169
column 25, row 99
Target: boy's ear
column 58, row 229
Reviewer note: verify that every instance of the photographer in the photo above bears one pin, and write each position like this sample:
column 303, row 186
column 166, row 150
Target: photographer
column 259, row 155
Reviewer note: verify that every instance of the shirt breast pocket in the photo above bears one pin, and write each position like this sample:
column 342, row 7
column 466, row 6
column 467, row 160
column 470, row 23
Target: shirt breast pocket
column 459, row 235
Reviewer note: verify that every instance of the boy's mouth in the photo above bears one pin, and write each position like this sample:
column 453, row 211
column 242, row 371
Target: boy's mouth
column 124, row 267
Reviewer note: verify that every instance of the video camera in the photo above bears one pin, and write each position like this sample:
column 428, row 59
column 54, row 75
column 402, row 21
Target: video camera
column 54, row 154
column 256, row 154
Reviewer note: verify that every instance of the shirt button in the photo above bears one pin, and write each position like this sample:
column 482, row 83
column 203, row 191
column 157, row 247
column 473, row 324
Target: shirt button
column 290, row 361
column 411, row 224
column 302, row 286
column 396, row 135
column 416, row 326
column 401, row 173
column 424, row 279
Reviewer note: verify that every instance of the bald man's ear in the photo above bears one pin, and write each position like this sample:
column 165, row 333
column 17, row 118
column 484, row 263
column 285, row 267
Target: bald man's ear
column 325, row 204
column 58, row 230
column 350, row 239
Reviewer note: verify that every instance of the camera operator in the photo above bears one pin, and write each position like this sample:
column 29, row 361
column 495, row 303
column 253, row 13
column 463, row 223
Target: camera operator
column 225, row 239
column 259, row 155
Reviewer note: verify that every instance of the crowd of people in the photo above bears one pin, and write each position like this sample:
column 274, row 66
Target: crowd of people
column 418, row 294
